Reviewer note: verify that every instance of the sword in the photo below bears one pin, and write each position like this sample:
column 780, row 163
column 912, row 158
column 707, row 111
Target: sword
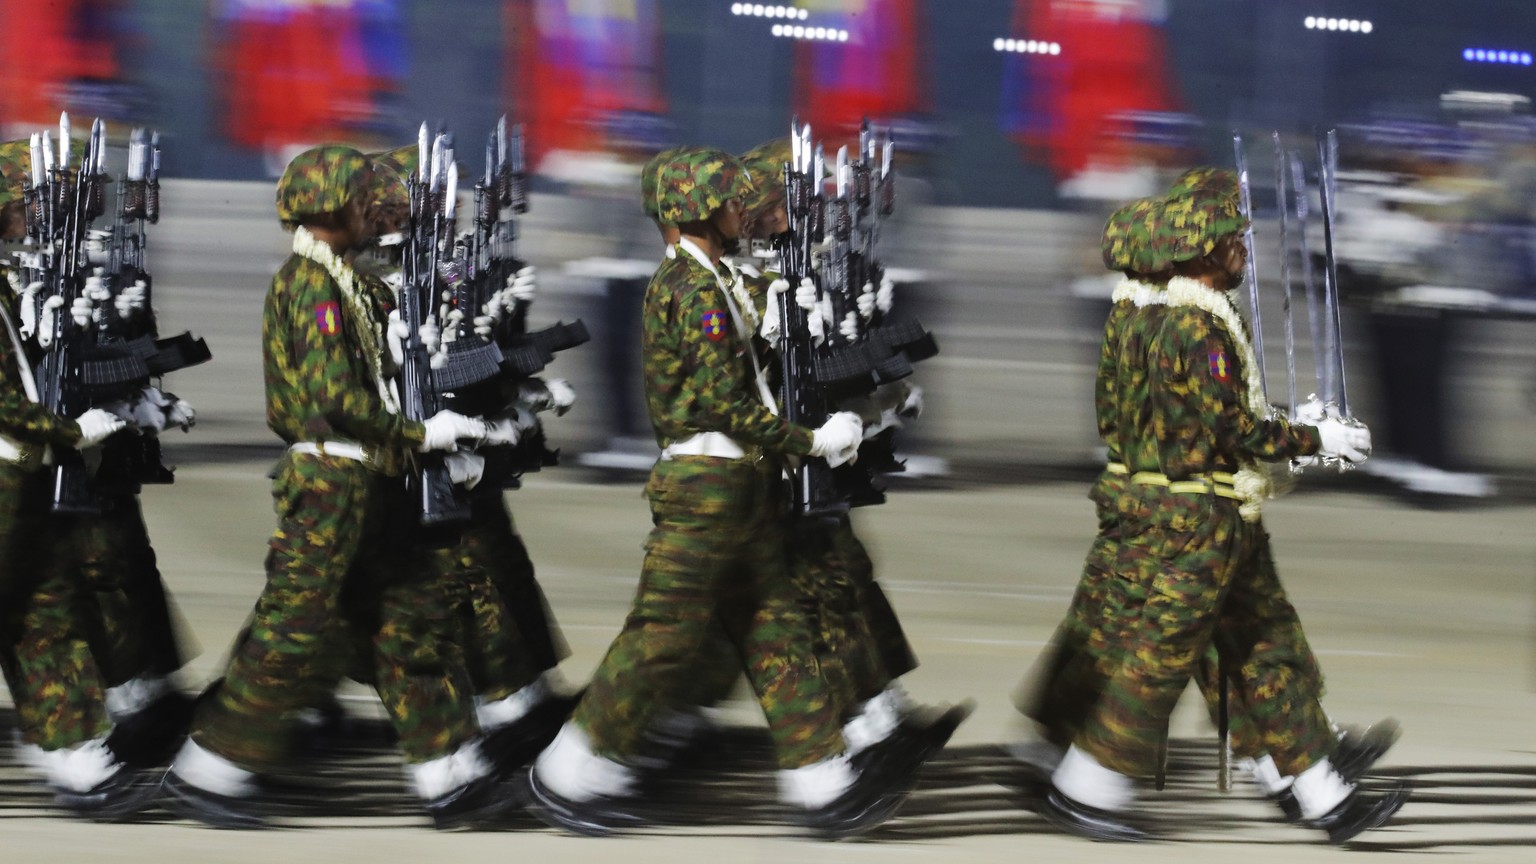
column 1308, row 275
column 1334, row 390
column 1285, row 272
column 1256, row 320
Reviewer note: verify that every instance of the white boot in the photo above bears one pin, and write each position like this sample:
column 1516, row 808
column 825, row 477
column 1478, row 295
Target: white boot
column 1320, row 789
column 497, row 713
column 570, row 769
column 1081, row 778
column 82, row 767
column 814, row 786
column 211, row 772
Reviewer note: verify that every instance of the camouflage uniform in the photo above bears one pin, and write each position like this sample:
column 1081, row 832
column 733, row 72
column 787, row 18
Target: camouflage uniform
column 715, row 555
column 44, row 651
column 322, row 365
column 1181, row 418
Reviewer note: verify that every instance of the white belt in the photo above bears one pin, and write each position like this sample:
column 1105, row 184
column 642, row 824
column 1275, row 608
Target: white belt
column 338, row 449
column 716, row 444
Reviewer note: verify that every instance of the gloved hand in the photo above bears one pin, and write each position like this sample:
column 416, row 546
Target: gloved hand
column 121, row 409
column 485, row 325
column 445, row 429
column 29, row 309
column 395, row 334
column 96, row 426
column 772, row 311
column 561, row 395
column 886, row 295
column 837, row 441
column 1310, row 412
column 1344, row 439
column 81, row 311
column 451, row 322
column 180, row 413
column 149, row 410
column 431, row 335
column 465, row 468
column 912, row 406
column 503, row 429
column 96, row 288
column 866, row 301
column 850, row 327
column 805, row 294
column 132, row 299
column 51, row 308
column 523, row 285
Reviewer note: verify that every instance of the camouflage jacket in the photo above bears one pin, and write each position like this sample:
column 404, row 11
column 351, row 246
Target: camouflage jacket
column 21, row 419
column 1180, row 401
column 319, row 386
column 698, row 374
column 1104, row 384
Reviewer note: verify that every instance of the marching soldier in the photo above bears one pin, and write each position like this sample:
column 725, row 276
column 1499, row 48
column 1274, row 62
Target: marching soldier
column 715, row 555
column 334, row 493
column 45, row 652
column 1192, row 427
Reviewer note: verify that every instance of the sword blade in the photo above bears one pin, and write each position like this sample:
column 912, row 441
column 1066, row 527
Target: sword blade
column 1282, row 205
column 1251, row 276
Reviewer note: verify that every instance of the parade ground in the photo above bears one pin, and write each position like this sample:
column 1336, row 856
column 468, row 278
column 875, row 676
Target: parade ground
column 1422, row 613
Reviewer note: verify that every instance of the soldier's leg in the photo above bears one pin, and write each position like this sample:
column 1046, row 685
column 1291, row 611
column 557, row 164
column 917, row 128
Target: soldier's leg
column 289, row 659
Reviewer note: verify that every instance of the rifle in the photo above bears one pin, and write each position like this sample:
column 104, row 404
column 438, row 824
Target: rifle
column 432, row 193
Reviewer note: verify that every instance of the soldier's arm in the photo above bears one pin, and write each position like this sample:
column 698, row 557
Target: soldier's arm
column 726, row 400
column 1213, row 376
column 21, row 418
column 1104, row 391
column 322, row 346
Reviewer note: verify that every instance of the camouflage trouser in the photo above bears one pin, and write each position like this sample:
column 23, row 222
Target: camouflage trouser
column 859, row 639
column 1209, row 580
column 1085, row 648
column 507, row 633
column 321, row 589
column 130, row 624
column 46, row 658
column 715, row 559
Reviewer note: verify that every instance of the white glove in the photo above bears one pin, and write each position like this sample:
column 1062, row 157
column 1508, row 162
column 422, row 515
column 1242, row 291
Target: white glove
column 181, row 414
column 96, row 426
column 445, row 428
column 485, row 325
column 453, row 319
column 561, row 395
column 431, row 335
column 772, row 312
column 912, row 406
column 850, row 327
column 45, row 321
column 29, row 309
column 805, row 294
column 866, row 301
column 886, row 296
column 81, row 311
column 465, row 469
column 1342, row 439
column 1310, row 412
column 837, row 441
column 120, row 409
column 149, row 410
column 523, row 285
column 96, row 288
column 503, row 430
column 395, row 334
column 131, row 299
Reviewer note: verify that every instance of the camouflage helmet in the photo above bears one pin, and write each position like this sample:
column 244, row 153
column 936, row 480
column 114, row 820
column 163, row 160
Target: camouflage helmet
column 15, row 170
column 648, row 175
column 401, row 161
column 319, row 180
column 1205, row 178
column 1201, row 209
column 1128, row 238
column 765, row 163
column 696, row 182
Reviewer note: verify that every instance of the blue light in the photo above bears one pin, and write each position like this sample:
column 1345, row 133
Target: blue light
column 1503, row 56
column 1467, row 55
column 1525, row 59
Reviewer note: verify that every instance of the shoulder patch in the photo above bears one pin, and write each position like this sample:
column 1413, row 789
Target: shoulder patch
column 1221, row 367
column 712, row 323
column 328, row 318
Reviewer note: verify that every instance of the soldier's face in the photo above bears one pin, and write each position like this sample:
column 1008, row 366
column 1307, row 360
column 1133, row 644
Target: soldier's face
column 727, row 219
column 1236, row 261
column 774, row 219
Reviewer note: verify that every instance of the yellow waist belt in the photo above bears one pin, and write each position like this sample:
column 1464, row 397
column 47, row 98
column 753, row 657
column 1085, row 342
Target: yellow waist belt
column 1214, row 483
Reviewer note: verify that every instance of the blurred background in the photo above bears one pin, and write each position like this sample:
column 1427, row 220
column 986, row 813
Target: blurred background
column 1020, row 125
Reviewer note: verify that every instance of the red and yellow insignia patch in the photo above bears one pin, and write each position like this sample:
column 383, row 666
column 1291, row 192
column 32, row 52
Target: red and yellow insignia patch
column 1221, row 367
column 713, row 324
column 328, row 318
